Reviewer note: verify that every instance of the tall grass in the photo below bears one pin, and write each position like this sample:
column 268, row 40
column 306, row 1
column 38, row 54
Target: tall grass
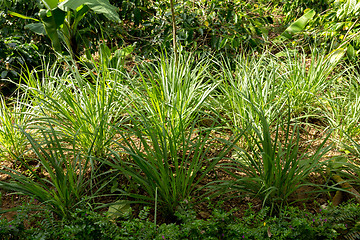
column 174, row 88
column 306, row 79
column 272, row 167
column 253, row 78
column 167, row 161
column 63, row 180
column 13, row 142
column 77, row 108
column 343, row 107
column 145, row 125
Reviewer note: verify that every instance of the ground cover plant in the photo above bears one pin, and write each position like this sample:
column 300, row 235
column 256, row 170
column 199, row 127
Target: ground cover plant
column 232, row 131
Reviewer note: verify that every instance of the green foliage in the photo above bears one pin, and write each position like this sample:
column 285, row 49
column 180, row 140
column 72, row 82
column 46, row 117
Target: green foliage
column 83, row 117
column 168, row 162
column 13, row 142
column 176, row 89
column 249, row 78
column 68, row 179
column 293, row 9
column 60, row 21
column 299, row 24
column 343, row 105
column 336, row 25
column 216, row 25
column 274, row 167
column 293, row 223
column 14, row 54
column 304, row 78
column 232, row 24
column 14, row 229
column 340, row 25
column 17, row 48
column 87, row 224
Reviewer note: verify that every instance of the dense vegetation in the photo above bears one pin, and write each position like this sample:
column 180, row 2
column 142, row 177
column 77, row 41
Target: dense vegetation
column 179, row 119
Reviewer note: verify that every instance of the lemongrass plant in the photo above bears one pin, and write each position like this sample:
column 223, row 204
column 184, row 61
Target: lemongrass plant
column 253, row 78
column 174, row 89
column 82, row 106
column 271, row 168
column 307, row 79
column 342, row 109
column 167, row 162
column 63, row 179
column 349, row 166
column 13, row 142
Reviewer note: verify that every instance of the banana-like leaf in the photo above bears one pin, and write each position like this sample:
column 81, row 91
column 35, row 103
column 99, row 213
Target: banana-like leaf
column 37, row 28
column 98, row 6
column 52, row 20
column 298, row 25
column 50, row 4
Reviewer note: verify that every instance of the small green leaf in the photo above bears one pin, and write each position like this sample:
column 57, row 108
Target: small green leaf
column 298, row 25
column 50, row 4
column 119, row 209
column 37, row 28
column 52, row 22
column 350, row 51
column 124, row 52
column 335, row 56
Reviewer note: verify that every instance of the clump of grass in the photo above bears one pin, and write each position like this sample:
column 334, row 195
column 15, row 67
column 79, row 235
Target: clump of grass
column 63, row 179
column 13, row 142
column 174, row 89
column 253, row 78
column 167, row 162
column 272, row 168
column 78, row 109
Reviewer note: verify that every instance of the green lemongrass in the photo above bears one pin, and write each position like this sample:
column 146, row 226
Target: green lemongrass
column 69, row 176
column 79, row 108
column 13, row 142
column 342, row 109
column 349, row 166
column 273, row 169
column 174, row 87
column 254, row 78
column 306, row 80
column 167, row 162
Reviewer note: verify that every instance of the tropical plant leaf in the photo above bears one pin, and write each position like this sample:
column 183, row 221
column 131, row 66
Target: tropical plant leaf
column 37, row 28
column 98, row 6
column 52, row 20
column 50, row 4
column 119, row 208
column 335, row 56
column 298, row 25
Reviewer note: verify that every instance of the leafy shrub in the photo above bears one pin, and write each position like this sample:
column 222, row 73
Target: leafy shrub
column 294, row 9
column 18, row 47
column 292, row 223
column 87, row 224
